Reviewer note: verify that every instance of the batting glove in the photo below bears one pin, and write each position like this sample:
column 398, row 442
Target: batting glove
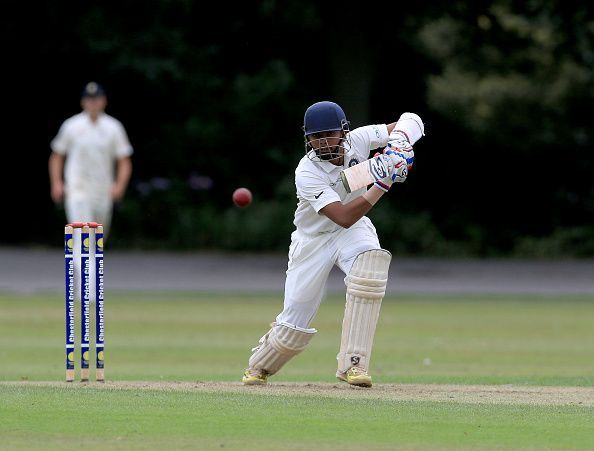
column 397, row 169
column 399, row 144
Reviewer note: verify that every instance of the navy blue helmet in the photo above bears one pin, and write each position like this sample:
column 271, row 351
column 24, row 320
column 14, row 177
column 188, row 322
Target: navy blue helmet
column 324, row 117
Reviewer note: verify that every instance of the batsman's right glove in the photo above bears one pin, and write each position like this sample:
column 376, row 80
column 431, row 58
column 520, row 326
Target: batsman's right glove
column 397, row 169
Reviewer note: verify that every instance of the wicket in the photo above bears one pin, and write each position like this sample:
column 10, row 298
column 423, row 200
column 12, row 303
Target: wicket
column 85, row 294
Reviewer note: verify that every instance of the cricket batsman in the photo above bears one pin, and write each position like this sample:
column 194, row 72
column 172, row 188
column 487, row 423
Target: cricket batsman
column 331, row 229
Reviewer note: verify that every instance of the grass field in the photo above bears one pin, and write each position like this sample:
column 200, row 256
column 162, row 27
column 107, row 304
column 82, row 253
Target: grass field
column 533, row 355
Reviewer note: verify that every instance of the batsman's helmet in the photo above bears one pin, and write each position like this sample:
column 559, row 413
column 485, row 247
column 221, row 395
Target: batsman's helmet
column 324, row 117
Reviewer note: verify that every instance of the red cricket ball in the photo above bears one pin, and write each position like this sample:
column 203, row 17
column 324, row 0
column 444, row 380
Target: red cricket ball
column 242, row 197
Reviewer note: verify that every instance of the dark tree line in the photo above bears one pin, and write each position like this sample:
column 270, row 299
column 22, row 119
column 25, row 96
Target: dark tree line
column 213, row 98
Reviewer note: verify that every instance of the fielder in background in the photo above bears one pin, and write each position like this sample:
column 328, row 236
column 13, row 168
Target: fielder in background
column 90, row 164
column 332, row 229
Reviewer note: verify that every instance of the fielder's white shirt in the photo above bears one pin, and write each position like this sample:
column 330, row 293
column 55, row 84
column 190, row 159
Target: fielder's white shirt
column 318, row 182
column 91, row 149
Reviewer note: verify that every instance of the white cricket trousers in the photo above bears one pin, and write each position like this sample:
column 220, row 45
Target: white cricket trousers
column 98, row 209
column 91, row 210
column 311, row 257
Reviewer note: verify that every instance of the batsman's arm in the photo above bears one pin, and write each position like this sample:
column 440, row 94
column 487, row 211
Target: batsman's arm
column 345, row 215
column 391, row 127
column 402, row 135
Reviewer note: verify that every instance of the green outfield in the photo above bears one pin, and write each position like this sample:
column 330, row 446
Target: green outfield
column 190, row 349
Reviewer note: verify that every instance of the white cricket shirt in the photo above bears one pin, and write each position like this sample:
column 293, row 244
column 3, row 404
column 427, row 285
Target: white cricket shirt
column 318, row 183
column 91, row 149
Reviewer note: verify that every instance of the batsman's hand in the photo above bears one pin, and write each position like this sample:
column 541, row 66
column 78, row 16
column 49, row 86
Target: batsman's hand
column 400, row 145
column 397, row 169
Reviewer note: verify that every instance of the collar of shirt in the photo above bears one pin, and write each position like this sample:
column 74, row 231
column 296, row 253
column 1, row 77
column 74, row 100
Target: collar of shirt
column 324, row 165
column 88, row 117
column 327, row 166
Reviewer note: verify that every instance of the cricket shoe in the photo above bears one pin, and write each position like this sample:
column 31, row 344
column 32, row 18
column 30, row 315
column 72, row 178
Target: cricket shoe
column 355, row 376
column 254, row 377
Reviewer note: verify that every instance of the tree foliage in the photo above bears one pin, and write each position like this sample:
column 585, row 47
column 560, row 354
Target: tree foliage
column 514, row 81
column 213, row 98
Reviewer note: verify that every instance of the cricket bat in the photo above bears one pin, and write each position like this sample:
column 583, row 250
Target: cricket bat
column 363, row 174
column 409, row 127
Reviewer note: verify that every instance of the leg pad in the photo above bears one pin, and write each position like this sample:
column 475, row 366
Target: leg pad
column 282, row 342
column 366, row 287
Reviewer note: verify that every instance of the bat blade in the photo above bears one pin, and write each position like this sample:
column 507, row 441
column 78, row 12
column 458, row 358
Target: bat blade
column 363, row 174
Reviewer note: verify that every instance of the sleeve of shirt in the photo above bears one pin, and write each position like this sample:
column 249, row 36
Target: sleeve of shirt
column 367, row 138
column 123, row 148
column 61, row 142
column 315, row 190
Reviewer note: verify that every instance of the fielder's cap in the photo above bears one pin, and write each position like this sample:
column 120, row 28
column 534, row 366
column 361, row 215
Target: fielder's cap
column 93, row 89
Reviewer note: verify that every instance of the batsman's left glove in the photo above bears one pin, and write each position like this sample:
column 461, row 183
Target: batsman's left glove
column 397, row 170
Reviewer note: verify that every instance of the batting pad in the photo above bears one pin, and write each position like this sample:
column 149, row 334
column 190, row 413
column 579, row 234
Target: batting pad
column 282, row 342
column 366, row 287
